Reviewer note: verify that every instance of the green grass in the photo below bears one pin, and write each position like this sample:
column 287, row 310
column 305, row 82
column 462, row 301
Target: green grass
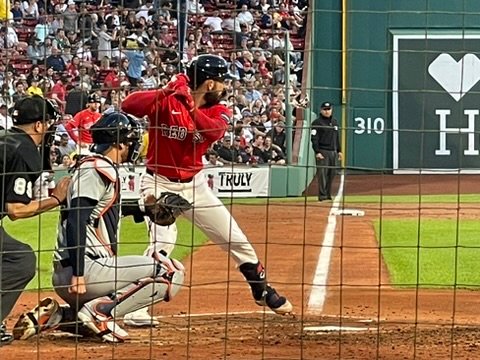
column 431, row 253
column 133, row 240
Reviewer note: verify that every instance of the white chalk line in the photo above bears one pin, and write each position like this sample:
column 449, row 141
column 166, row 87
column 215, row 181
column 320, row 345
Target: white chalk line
column 319, row 287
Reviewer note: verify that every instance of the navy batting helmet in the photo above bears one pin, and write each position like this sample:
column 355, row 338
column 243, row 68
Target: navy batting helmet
column 207, row 66
column 93, row 98
column 116, row 128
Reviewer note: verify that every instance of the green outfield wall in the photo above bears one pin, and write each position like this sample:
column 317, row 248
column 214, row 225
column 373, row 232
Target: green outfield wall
column 412, row 71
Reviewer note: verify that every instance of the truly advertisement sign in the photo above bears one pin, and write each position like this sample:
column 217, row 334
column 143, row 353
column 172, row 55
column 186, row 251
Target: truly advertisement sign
column 436, row 102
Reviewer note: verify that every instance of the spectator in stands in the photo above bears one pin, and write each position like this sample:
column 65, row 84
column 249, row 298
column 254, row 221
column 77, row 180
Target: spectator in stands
column 215, row 22
column 30, row 9
column 84, row 53
column 56, row 23
column 76, row 99
column 231, row 24
column 105, row 42
column 144, row 10
column 11, row 41
column 65, row 146
column 46, row 48
column 34, row 50
column 85, row 23
column 112, row 19
column 245, row 17
column 275, row 154
column 211, row 159
column 55, row 61
column 165, row 38
column 19, row 91
column 34, row 88
column 195, row 7
column 17, row 13
column 263, row 6
column 6, row 121
column 252, row 94
column 256, row 126
column 60, row 41
column 258, row 149
column 42, row 29
column 226, row 153
column 278, row 135
column 59, row 94
column 65, row 164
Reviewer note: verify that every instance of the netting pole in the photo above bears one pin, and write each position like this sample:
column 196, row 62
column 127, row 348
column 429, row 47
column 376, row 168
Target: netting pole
column 288, row 107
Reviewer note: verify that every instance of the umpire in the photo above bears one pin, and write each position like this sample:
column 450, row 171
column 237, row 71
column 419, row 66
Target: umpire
column 326, row 145
column 21, row 164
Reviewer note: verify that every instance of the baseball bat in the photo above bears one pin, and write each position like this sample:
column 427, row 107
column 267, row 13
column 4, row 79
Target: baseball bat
column 182, row 33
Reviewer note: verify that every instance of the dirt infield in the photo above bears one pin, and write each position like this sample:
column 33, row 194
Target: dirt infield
column 377, row 321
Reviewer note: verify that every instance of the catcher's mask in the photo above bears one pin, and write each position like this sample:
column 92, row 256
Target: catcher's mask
column 207, row 66
column 117, row 128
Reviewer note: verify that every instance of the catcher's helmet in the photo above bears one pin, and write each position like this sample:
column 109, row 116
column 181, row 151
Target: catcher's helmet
column 207, row 66
column 116, row 128
column 34, row 108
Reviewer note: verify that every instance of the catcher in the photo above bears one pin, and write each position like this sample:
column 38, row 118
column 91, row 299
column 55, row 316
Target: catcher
column 88, row 275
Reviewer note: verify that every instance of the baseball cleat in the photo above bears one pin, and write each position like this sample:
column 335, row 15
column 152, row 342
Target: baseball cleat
column 100, row 323
column 140, row 318
column 46, row 315
column 278, row 304
column 5, row 337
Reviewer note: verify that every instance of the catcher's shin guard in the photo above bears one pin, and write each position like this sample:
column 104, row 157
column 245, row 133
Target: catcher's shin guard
column 262, row 292
column 46, row 315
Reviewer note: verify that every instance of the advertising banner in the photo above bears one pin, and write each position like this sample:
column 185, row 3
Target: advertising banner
column 435, row 102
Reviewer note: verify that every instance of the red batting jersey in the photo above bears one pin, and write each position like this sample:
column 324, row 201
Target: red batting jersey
column 177, row 138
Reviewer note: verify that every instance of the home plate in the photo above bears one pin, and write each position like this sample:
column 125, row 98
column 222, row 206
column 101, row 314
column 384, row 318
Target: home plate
column 331, row 328
column 349, row 212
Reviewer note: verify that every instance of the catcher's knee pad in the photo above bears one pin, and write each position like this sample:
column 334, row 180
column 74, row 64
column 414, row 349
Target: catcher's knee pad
column 46, row 315
column 164, row 286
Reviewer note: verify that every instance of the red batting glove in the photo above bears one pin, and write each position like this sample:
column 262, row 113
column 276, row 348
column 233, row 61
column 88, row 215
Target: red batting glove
column 183, row 94
column 178, row 80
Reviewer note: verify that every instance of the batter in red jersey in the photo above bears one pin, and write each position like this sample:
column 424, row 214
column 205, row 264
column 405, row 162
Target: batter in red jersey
column 79, row 127
column 186, row 117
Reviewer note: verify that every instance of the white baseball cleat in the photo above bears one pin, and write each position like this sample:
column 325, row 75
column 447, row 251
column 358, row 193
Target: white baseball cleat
column 100, row 323
column 140, row 318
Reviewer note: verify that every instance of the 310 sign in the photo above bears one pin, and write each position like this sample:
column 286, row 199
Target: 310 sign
column 368, row 126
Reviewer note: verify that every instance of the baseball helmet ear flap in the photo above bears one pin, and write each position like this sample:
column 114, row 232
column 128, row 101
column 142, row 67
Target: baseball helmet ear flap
column 117, row 128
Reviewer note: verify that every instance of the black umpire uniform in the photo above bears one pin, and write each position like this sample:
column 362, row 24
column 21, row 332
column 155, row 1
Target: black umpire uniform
column 326, row 145
column 21, row 164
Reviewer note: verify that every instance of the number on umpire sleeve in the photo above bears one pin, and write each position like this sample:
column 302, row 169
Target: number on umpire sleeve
column 21, row 187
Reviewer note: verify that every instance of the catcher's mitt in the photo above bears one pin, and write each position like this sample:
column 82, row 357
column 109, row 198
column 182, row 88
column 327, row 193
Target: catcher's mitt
column 167, row 208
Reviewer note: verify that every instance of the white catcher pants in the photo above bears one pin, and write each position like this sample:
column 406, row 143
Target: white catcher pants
column 208, row 214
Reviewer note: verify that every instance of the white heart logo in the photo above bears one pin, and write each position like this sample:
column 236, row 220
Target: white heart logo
column 457, row 78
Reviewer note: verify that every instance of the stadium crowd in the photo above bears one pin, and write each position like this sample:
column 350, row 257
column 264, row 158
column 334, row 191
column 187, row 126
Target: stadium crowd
column 88, row 56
